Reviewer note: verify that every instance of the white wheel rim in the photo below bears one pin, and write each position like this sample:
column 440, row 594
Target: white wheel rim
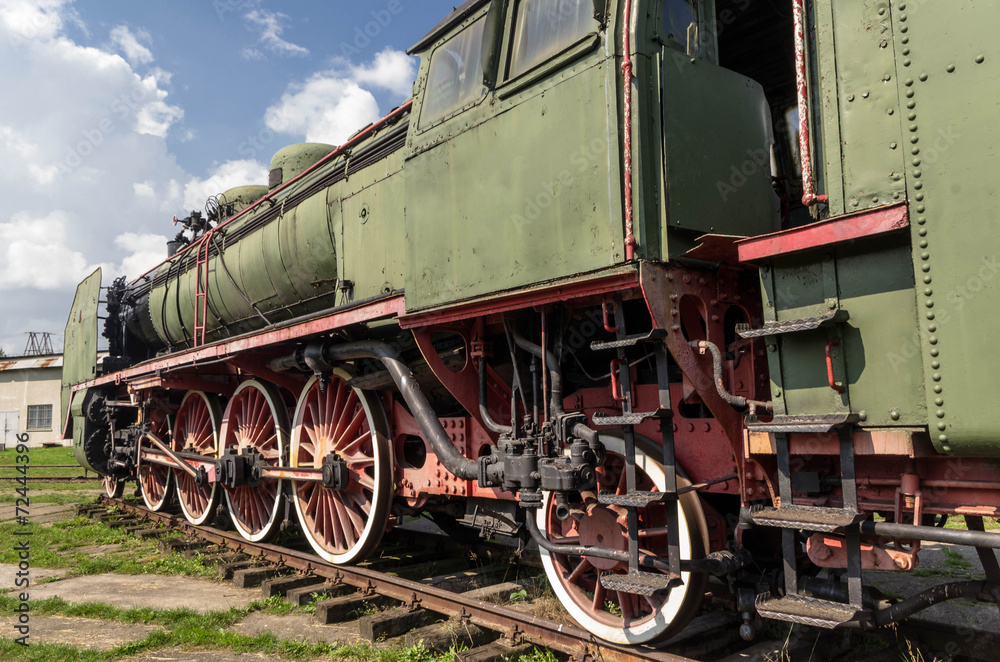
column 311, row 429
column 180, row 481
column 240, row 434
column 652, row 626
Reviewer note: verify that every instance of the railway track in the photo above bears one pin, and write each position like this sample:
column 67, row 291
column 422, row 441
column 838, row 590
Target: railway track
column 455, row 608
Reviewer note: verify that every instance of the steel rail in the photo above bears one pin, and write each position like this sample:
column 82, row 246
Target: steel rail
column 518, row 626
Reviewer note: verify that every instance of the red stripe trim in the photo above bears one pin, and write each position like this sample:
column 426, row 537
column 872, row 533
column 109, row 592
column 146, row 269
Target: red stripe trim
column 825, row 233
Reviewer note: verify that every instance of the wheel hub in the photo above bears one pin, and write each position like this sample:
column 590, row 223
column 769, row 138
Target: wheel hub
column 600, row 527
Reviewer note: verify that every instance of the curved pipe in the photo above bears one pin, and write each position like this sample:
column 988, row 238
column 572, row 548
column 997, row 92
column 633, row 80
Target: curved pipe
column 421, row 409
column 734, row 400
column 555, row 397
column 718, row 563
column 484, row 411
column 973, row 590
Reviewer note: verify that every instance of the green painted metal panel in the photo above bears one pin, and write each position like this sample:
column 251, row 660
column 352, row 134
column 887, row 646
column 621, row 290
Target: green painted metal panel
column 716, row 141
column 79, row 430
column 549, row 211
column 80, row 337
column 373, row 228
column 872, row 280
column 949, row 63
column 871, row 144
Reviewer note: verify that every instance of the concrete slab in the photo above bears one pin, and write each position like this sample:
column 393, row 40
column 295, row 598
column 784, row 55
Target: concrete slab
column 41, row 513
column 158, row 592
column 297, row 627
column 8, row 573
column 80, row 632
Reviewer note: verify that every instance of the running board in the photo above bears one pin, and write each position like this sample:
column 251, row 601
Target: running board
column 810, row 518
column 639, row 583
column 807, row 611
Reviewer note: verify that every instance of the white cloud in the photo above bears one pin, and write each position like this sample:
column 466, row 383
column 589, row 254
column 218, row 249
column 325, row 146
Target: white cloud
column 331, row 105
column 392, row 70
column 224, row 177
column 145, row 251
column 324, row 109
column 269, row 24
column 251, row 53
column 128, row 43
column 37, row 253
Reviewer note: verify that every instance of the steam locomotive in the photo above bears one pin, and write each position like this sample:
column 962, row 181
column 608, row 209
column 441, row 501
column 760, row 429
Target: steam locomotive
column 674, row 288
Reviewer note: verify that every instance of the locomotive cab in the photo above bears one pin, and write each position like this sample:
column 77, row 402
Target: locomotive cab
column 510, row 168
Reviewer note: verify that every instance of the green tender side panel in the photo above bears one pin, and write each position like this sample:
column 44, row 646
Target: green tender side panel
column 80, row 339
column 861, row 109
column 717, row 138
column 548, row 209
column 948, row 58
column 873, row 282
column 79, row 430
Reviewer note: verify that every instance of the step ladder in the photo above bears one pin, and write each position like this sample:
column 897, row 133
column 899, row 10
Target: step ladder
column 637, row 581
column 790, row 518
column 201, row 290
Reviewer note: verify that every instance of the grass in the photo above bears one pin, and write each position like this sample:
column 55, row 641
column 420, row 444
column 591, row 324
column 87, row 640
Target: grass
column 59, row 545
column 39, row 458
column 185, row 629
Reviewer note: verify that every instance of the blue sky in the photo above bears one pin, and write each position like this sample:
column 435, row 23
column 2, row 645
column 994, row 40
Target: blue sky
column 118, row 114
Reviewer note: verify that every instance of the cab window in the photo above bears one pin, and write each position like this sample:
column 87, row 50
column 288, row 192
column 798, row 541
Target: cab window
column 680, row 21
column 546, row 27
column 455, row 78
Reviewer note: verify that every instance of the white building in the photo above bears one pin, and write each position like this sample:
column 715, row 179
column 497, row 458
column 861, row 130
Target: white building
column 30, row 399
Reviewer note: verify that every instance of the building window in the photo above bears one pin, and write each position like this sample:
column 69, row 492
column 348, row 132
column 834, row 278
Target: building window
column 39, row 417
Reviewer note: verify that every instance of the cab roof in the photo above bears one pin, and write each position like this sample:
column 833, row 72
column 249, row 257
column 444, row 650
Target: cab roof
column 458, row 15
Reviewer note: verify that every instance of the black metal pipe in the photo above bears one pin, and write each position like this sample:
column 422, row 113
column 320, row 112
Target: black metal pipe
column 975, row 591
column 484, row 411
column 931, row 534
column 555, row 376
column 421, row 409
column 717, row 563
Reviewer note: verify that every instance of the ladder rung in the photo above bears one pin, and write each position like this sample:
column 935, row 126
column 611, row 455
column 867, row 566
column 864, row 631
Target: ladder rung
column 639, row 583
column 806, row 611
column 628, row 341
column 792, row 326
column 634, row 418
column 810, row 518
column 632, row 499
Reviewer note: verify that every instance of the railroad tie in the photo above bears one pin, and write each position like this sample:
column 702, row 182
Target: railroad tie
column 254, row 577
column 300, row 597
column 394, row 622
column 441, row 637
column 282, row 585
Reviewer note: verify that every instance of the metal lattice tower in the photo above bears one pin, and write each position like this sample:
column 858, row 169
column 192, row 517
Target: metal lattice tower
column 39, row 343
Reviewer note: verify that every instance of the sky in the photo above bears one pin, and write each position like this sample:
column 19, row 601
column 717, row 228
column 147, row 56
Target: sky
column 116, row 115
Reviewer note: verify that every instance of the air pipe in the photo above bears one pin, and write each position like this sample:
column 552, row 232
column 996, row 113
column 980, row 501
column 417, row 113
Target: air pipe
column 319, row 355
column 555, row 397
column 809, row 197
column 734, row 400
column 630, row 242
column 484, row 411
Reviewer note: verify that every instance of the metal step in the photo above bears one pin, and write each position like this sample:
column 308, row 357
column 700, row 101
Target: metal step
column 632, row 499
column 634, row 418
column 793, row 326
column 807, row 611
column 629, row 341
column 815, row 424
column 810, row 518
column 639, row 583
